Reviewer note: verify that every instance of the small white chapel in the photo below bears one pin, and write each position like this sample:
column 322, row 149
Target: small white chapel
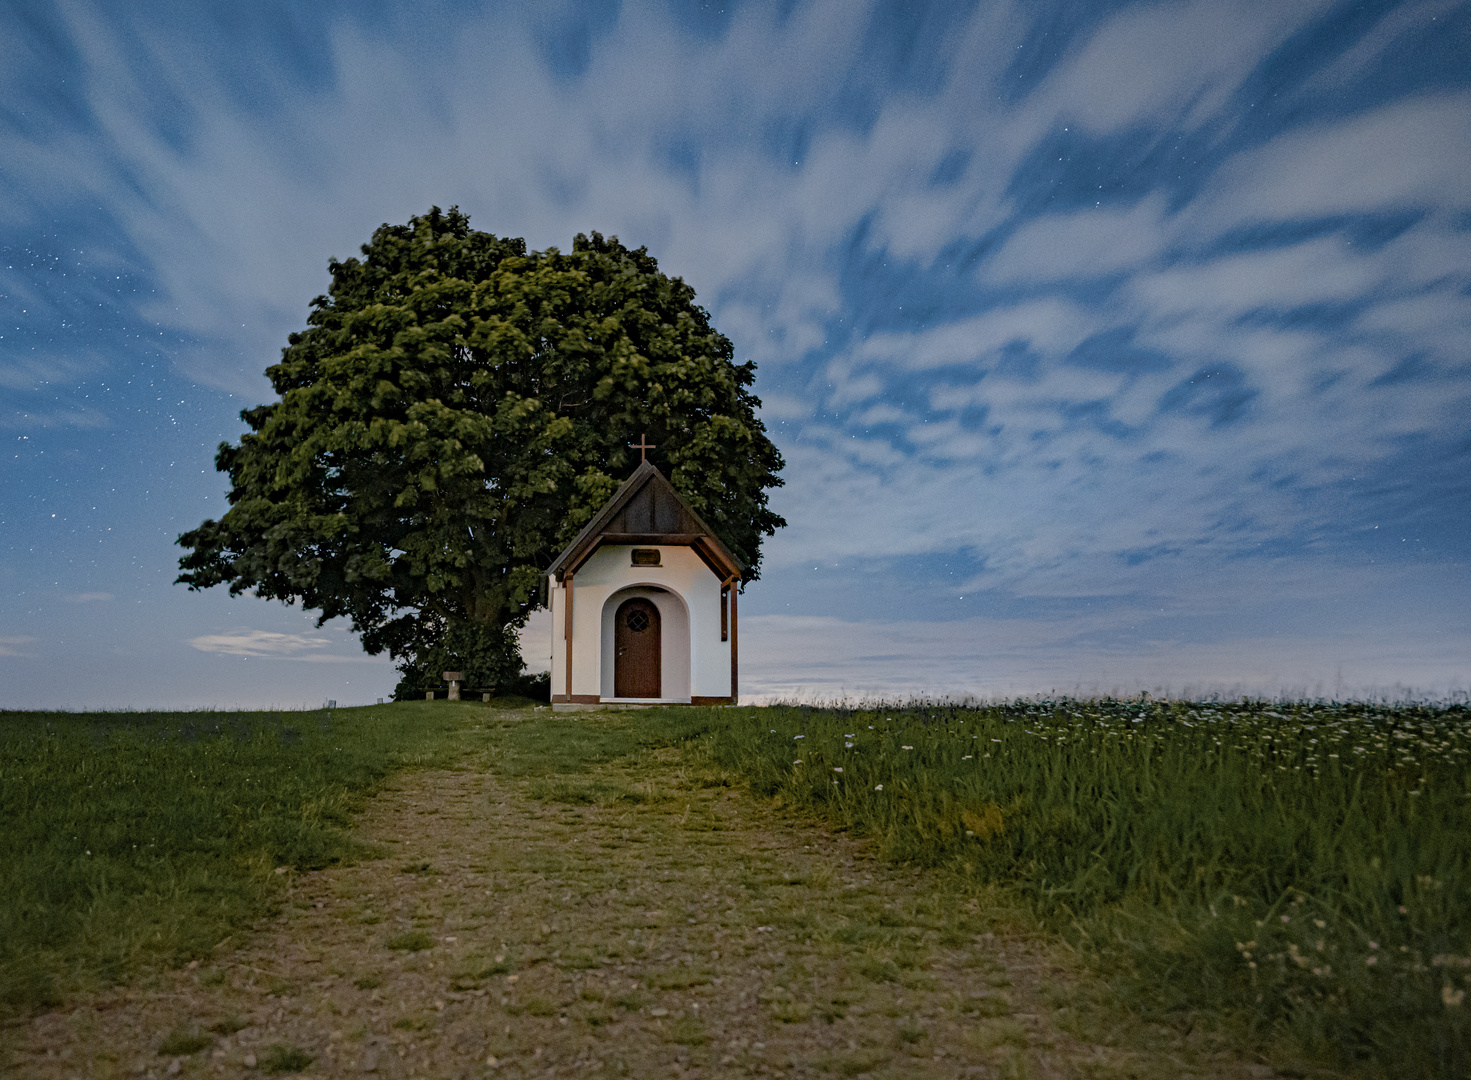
column 644, row 605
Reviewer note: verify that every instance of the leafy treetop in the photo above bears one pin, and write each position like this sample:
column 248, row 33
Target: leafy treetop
column 456, row 411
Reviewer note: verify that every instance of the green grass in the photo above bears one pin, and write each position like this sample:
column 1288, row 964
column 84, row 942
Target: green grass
column 560, row 745
column 687, row 1031
column 1302, row 870
column 185, row 1040
column 411, row 941
column 1299, row 873
column 133, row 839
column 285, row 1059
column 137, row 839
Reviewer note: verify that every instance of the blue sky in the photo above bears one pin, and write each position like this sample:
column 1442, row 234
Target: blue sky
column 1110, row 346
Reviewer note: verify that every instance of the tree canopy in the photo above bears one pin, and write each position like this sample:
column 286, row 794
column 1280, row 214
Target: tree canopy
column 457, row 409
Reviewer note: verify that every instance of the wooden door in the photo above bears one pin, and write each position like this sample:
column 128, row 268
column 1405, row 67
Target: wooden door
column 637, row 657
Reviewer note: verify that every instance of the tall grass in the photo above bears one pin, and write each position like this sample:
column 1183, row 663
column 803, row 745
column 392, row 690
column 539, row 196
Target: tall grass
column 135, row 838
column 1304, row 867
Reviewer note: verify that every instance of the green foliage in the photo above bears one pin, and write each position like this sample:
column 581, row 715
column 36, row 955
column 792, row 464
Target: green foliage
column 138, row 838
column 488, row 656
column 456, row 411
column 532, row 687
column 1304, row 867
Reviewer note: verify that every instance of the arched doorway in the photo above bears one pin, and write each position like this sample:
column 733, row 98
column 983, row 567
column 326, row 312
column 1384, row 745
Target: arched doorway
column 638, row 656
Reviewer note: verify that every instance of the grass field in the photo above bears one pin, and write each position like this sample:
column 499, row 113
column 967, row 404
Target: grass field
column 1291, row 872
column 1302, row 869
column 137, row 838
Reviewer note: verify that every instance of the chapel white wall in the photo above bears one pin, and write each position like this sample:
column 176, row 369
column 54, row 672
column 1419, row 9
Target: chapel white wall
column 688, row 597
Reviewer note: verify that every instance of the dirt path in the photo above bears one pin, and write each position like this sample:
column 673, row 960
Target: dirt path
column 629, row 921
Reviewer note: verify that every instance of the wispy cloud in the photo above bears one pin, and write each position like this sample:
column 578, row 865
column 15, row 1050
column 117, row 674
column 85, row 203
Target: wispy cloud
column 15, row 646
column 51, row 419
column 1409, row 155
column 1073, row 294
column 1167, row 66
column 263, row 643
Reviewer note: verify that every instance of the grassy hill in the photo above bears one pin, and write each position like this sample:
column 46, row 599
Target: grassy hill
column 1298, row 872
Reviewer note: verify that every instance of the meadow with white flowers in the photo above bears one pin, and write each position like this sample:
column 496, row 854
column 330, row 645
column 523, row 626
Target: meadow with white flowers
column 1295, row 875
column 1303, row 869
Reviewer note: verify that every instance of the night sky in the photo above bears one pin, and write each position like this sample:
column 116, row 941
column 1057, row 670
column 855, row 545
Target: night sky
column 1110, row 346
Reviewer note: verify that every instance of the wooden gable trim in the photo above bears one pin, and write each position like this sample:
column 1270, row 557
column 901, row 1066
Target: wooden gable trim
column 711, row 556
column 593, row 530
column 705, row 543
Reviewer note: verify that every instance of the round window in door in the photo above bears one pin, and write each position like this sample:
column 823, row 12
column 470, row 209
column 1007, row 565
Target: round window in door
column 637, row 655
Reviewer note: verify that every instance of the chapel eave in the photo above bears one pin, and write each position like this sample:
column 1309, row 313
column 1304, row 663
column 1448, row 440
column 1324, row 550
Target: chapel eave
column 646, row 510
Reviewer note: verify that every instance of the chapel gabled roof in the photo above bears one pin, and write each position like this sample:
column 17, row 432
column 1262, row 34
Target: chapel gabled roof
column 647, row 510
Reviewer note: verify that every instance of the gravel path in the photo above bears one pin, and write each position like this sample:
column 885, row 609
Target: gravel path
column 638, row 920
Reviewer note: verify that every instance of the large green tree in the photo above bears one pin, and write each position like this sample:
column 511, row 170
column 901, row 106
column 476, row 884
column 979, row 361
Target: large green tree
column 456, row 411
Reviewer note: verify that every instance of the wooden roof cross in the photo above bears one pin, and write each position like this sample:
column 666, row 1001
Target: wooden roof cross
column 643, row 446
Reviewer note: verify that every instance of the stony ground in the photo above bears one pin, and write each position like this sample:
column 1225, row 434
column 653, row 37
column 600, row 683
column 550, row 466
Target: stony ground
column 637, row 919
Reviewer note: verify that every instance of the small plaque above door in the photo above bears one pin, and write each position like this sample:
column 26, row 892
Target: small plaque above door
column 645, row 556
